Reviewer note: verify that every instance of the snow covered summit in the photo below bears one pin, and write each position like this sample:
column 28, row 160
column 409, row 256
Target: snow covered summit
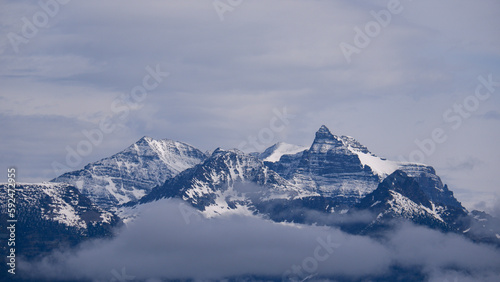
column 133, row 172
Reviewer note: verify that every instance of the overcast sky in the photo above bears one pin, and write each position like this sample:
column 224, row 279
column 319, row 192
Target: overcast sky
column 68, row 67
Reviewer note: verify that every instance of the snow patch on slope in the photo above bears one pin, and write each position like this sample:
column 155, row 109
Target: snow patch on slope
column 274, row 153
column 405, row 207
column 378, row 165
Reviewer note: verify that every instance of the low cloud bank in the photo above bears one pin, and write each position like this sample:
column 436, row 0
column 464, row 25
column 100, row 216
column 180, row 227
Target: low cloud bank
column 163, row 244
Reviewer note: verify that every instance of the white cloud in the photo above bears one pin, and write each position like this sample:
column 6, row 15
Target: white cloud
column 160, row 244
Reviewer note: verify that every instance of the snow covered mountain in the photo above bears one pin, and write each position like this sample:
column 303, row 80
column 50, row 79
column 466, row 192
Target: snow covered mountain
column 403, row 197
column 57, row 202
column 228, row 181
column 50, row 215
column 336, row 177
column 331, row 167
column 400, row 196
column 482, row 227
column 133, row 172
column 342, row 168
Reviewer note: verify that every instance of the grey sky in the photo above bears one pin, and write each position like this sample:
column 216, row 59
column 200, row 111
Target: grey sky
column 227, row 76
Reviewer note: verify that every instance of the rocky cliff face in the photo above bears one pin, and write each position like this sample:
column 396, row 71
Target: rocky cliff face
column 341, row 167
column 400, row 196
column 332, row 168
column 431, row 184
column 228, row 181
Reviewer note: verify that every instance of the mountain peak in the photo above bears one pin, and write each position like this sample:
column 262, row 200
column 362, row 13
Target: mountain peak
column 325, row 140
column 323, row 133
column 149, row 140
column 225, row 152
column 144, row 139
column 133, row 172
column 218, row 151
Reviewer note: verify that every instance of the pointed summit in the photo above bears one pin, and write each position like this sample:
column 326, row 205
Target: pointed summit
column 325, row 137
column 144, row 140
column 323, row 133
column 323, row 128
column 218, row 151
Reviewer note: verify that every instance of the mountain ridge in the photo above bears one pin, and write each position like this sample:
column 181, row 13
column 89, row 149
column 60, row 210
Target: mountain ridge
column 326, row 183
column 344, row 155
column 132, row 173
